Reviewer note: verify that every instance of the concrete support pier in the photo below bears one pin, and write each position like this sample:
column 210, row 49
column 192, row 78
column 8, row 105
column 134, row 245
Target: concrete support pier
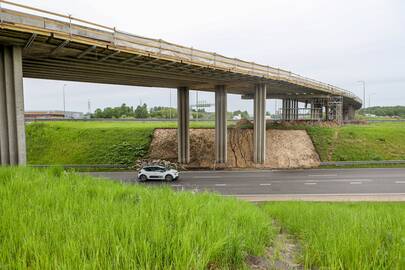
column 12, row 130
column 259, row 125
column 349, row 113
column 316, row 111
column 294, row 109
column 290, row 109
column 183, row 116
column 220, row 124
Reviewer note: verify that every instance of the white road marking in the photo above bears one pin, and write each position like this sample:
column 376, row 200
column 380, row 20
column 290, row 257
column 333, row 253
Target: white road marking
column 399, row 182
column 266, row 184
column 339, row 180
column 321, row 175
column 207, row 176
column 310, row 183
column 356, row 183
column 220, row 185
column 319, row 194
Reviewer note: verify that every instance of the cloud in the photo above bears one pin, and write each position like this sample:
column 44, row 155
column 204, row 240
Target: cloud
column 338, row 42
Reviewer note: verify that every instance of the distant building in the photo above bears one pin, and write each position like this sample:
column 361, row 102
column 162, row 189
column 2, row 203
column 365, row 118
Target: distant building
column 53, row 115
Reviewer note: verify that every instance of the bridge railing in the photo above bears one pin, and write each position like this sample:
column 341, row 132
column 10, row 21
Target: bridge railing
column 119, row 40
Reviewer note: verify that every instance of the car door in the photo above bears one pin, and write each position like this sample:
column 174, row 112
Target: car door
column 155, row 173
column 161, row 172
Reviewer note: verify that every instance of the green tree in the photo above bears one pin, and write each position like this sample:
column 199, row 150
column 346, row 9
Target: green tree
column 141, row 111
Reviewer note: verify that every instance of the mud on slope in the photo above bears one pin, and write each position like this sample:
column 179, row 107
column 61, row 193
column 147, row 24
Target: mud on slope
column 284, row 148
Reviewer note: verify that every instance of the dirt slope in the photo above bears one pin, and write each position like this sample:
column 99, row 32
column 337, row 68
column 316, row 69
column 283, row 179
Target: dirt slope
column 285, row 148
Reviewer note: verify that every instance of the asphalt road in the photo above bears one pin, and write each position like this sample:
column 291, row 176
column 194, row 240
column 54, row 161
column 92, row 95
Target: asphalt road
column 313, row 184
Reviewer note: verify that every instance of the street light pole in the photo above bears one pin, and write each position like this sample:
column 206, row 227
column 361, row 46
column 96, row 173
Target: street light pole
column 196, row 104
column 369, row 99
column 364, row 93
column 64, row 101
column 170, row 106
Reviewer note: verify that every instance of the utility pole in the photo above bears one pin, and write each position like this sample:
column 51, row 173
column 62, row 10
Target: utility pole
column 170, row 104
column 64, row 101
column 364, row 93
column 369, row 99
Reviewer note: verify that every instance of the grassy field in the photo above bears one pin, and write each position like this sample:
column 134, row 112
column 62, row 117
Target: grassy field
column 377, row 141
column 92, row 142
column 50, row 219
column 345, row 235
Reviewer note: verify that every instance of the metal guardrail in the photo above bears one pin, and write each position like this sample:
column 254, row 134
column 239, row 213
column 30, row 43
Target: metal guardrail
column 112, row 166
column 366, row 162
column 71, row 26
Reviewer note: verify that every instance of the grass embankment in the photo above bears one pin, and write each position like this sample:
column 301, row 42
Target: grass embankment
column 92, row 142
column 345, row 235
column 124, row 142
column 378, row 141
column 56, row 220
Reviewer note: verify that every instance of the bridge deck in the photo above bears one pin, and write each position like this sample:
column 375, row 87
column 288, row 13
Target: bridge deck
column 65, row 48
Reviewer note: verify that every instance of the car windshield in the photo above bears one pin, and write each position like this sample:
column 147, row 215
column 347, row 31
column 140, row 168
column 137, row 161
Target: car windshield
column 155, row 169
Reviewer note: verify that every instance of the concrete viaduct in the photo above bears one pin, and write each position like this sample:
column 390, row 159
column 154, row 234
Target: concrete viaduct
column 40, row 44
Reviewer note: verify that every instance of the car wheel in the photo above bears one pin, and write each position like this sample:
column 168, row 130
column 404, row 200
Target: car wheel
column 143, row 178
column 169, row 178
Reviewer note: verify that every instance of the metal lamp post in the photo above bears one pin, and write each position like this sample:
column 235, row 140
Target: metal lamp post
column 364, row 93
column 64, row 101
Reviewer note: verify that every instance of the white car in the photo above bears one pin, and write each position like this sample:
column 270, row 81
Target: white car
column 157, row 172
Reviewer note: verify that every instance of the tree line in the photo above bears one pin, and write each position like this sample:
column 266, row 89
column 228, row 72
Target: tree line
column 384, row 111
column 159, row 112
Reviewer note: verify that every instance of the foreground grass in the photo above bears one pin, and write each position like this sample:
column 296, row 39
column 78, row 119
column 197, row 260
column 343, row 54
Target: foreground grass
column 345, row 235
column 50, row 219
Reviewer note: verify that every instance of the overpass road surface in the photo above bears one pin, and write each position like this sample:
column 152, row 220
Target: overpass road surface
column 266, row 185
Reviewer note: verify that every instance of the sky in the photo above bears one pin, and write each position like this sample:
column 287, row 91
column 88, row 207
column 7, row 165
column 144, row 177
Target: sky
column 335, row 41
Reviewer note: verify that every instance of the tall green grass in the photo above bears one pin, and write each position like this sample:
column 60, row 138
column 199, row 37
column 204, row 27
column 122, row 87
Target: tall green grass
column 345, row 235
column 57, row 220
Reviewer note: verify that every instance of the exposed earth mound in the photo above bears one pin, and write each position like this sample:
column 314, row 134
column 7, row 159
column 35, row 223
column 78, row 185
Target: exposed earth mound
column 285, row 148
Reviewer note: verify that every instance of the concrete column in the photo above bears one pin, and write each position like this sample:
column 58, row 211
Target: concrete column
column 259, row 125
column 284, row 111
column 12, row 129
column 220, row 124
column 294, row 109
column 183, row 118
column 348, row 113
column 287, row 109
column 316, row 111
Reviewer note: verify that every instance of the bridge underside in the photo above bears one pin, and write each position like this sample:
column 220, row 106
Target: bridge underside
column 38, row 47
column 45, row 61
